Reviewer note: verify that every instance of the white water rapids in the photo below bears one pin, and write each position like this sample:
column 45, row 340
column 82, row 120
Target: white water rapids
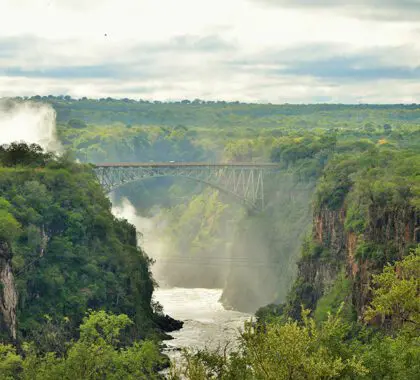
column 207, row 324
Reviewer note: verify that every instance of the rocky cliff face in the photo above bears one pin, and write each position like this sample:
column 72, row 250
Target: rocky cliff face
column 399, row 227
column 8, row 294
column 392, row 232
column 388, row 236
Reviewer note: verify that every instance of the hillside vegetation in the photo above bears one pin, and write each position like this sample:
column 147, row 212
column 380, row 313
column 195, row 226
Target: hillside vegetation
column 303, row 140
column 334, row 254
column 62, row 254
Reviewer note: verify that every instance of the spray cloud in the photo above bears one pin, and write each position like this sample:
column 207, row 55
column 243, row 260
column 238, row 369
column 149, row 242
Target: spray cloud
column 29, row 122
column 151, row 242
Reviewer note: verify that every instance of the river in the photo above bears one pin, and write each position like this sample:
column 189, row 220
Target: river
column 206, row 322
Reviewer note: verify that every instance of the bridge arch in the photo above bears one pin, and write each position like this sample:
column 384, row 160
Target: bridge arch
column 243, row 181
column 223, row 190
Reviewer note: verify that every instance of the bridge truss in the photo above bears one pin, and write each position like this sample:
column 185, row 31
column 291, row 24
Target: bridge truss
column 241, row 180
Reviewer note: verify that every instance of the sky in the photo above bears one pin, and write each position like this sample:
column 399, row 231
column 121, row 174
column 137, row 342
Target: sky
column 278, row 51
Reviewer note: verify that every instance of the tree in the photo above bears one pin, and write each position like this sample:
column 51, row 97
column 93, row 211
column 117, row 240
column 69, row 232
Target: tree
column 387, row 129
column 281, row 351
column 20, row 153
column 396, row 293
column 9, row 227
column 76, row 123
column 97, row 354
column 10, row 362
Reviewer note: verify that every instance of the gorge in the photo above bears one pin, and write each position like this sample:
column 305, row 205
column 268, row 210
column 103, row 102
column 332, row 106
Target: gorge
column 343, row 204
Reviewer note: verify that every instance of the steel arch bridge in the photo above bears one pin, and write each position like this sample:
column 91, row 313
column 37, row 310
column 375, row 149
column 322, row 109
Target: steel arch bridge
column 244, row 181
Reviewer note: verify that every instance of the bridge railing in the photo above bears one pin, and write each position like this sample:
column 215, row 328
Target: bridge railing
column 187, row 164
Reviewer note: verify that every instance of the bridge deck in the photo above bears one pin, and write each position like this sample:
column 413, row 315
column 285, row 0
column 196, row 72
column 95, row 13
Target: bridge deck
column 186, row 164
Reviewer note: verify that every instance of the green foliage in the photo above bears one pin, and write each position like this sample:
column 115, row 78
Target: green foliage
column 338, row 295
column 270, row 312
column 95, row 355
column 113, row 143
column 369, row 250
column 369, row 119
column 19, row 153
column 100, row 327
column 392, row 358
column 289, row 150
column 332, row 349
column 69, row 252
column 312, row 249
column 336, row 182
column 71, row 255
column 356, row 220
column 10, row 362
column 396, row 293
column 9, row 227
column 281, row 351
column 76, row 123
column 396, row 298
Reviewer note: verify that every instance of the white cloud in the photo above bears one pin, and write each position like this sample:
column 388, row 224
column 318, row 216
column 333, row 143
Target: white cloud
column 185, row 48
column 390, row 10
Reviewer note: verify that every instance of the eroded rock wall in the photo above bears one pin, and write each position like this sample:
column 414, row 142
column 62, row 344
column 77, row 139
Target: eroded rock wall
column 8, row 293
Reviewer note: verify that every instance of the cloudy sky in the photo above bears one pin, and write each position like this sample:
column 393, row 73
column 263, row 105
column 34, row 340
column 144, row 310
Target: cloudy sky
column 296, row 51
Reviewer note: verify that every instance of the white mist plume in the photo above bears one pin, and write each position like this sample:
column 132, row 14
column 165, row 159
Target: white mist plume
column 150, row 242
column 29, row 122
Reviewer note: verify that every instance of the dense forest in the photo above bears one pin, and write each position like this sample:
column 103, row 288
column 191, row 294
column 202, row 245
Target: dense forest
column 63, row 254
column 200, row 113
column 334, row 254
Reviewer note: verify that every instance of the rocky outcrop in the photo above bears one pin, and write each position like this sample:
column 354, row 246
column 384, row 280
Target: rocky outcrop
column 8, row 294
column 328, row 230
column 399, row 228
column 319, row 267
column 393, row 231
column 389, row 232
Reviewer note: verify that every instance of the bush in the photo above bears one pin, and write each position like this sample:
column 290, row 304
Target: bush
column 97, row 354
column 76, row 123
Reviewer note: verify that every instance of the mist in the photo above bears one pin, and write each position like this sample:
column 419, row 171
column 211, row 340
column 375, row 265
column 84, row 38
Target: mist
column 173, row 267
column 29, row 122
column 250, row 256
column 150, row 241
